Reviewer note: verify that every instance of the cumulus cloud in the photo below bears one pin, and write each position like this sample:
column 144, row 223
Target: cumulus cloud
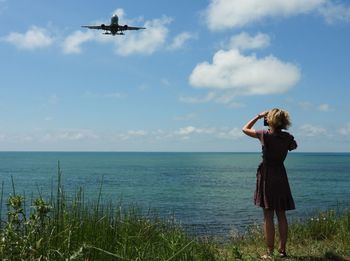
column 225, row 98
column 141, row 42
column 245, row 75
column 34, row 38
column 310, row 130
column 335, row 12
column 230, row 134
column 179, row 40
column 72, row 44
column 323, row 107
column 345, row 130
column 232, row 73
column 224, row 14
column 190, row 130
column 119, row 12
column 131, row 134
column 77, row 139
column 146, row 41
column 69, row 135
column 186, row 133
column 244, row 41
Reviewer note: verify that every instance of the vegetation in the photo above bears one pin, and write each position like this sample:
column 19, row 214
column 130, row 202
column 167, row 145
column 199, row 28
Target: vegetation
column 324, row 237
column 63, row 228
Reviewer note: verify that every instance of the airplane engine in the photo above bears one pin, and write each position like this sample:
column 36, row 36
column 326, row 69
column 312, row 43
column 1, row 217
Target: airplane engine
column 125, row 27
column 103, row 26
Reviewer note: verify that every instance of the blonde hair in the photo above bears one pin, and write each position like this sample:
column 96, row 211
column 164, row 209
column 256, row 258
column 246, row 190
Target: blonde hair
column 278, row 119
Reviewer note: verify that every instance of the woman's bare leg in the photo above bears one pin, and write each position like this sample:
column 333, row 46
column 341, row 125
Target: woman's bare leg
column 283, row 229
column 269, row 228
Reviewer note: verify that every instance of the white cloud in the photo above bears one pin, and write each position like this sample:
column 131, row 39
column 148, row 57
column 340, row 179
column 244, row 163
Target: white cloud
column 69, row 135
column 120, row 13
column 345, row 130
column 165, row 82
column 245, row 75
column 34, row 38
column 324, row 107
column 305, row 105
column 244, row 41
column 144, row 42
column 72, row 44
column 218, row 133
column 194, row 100
column 231, row 134
column 190, row 130
column 334, row 13
column 115, row 95
column 225, row 97
column 180, row 40
column 77, row 139
column 186, row 117
column 112, row 95
column 224, row 14
column 137, row 133
column 186, row 132
column 232, row 73
column 310, row 130
column 131, row 134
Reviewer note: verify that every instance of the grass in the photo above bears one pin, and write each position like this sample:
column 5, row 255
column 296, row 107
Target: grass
column 323, row 237
column 66, row 227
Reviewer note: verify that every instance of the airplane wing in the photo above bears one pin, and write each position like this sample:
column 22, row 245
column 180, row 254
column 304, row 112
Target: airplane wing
column 135, row 28
column 126, row 27
column 112, row 28
column 99, row 27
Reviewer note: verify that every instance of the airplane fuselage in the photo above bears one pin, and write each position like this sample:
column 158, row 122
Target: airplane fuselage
column 113, row 28
column 115, row 20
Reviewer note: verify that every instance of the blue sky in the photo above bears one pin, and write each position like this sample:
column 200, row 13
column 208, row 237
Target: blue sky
column 189, row 82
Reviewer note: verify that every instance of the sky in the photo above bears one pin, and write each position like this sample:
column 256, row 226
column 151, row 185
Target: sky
column 188, row 82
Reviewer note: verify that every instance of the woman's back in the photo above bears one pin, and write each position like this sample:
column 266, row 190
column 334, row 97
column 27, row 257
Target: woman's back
column 276, row 146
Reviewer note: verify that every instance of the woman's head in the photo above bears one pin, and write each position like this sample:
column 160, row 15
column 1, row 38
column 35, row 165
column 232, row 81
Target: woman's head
column 278, row 119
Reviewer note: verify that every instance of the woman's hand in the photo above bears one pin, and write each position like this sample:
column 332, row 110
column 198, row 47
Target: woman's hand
column 263, row 114
column 248, row 127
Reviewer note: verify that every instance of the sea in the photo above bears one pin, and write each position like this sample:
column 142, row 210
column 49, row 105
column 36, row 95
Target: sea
column 208, row 194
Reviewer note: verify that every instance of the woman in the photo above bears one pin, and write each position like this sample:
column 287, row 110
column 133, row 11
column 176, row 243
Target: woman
column 272, row 192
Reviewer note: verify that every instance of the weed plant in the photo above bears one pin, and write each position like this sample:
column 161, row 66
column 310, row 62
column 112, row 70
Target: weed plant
column 72, row 229
column 323, row 237
column 66, row 227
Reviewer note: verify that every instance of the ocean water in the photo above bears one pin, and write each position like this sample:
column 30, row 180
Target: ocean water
column 208, row 193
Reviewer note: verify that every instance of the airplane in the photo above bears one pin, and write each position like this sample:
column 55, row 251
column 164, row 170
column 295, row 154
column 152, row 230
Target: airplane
column 114, row 28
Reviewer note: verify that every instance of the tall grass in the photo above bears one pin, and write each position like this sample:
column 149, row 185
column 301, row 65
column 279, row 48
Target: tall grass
column 326, row 236
column 68, row 228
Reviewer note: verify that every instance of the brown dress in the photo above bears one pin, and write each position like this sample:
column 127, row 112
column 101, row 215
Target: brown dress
column 272, row 186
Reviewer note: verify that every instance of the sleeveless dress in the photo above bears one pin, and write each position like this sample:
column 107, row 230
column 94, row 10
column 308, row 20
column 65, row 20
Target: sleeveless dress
column 272, row 186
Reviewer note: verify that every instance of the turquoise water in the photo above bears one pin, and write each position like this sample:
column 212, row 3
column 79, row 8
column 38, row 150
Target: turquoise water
column 208, row 193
